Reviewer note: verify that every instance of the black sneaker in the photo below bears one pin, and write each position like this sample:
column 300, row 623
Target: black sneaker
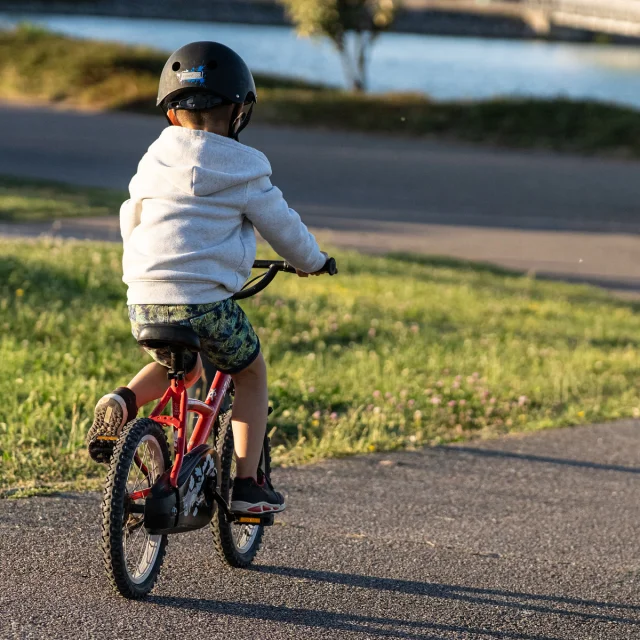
column 109, row 418
column 249, row 497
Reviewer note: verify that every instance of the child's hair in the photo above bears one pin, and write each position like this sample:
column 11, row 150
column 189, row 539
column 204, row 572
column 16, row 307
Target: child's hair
column 206, row 118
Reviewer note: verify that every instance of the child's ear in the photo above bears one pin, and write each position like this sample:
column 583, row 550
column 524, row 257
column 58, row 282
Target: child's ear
column 173, row 118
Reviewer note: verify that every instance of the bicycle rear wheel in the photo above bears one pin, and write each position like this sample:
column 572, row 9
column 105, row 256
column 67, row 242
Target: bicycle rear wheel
column 132, row 557
column 236, row 544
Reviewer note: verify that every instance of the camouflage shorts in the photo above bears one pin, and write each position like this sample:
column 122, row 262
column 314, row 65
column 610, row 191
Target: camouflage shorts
column 226, row 335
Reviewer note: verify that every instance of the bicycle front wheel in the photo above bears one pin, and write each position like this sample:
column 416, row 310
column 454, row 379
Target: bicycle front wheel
column 133, row 557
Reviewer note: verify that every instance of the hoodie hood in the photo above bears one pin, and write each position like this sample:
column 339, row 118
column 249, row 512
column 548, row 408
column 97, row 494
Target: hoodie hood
column 200, row 163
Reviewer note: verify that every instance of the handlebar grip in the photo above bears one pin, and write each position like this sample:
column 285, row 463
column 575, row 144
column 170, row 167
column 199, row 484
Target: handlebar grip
column 330, row 267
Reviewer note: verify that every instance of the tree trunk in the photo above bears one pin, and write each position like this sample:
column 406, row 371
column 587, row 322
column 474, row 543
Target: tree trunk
column 353, row 63
column 363, row 44
column 345, row 58
column 349, row 72
column 355, row 59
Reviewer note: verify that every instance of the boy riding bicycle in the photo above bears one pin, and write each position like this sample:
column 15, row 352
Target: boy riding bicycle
column 189, row 244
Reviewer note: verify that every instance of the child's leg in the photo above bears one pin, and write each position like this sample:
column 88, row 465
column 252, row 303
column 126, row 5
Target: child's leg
column 232, row 346
column 250, row 407
column 115, row 409
column 250, row 410
column 151, row 382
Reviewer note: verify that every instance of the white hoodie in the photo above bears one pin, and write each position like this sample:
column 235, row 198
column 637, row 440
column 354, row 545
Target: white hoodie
column 188, row 228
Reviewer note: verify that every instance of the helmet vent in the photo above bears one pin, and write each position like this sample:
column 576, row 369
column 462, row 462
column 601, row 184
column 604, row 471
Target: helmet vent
column 176, row 66
column 211, row 65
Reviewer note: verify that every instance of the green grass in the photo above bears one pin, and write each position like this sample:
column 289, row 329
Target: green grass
column 396, row 352
column 40, row 66
column 26, row 200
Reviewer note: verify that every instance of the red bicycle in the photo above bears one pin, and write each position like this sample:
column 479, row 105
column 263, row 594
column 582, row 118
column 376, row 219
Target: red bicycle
column 147, row 497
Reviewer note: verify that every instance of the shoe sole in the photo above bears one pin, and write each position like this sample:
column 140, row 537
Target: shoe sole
column 105, row 428
column 249, row 508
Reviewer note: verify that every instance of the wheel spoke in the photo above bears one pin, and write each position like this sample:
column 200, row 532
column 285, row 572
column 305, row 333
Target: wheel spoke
column 145, row 463
column 139, row 473
column 140, row 567
column 135, row 480
column 136, row 537
column 153, row 475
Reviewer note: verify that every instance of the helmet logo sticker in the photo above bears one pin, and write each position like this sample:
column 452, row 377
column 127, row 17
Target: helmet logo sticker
column 195, row 76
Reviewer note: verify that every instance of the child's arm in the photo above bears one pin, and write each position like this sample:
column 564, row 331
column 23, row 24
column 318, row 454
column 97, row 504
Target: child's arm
column 129, row 218
column 282, row 227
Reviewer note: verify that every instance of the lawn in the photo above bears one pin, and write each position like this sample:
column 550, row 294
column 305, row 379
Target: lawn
column 394, row 353
column 26, row 200
column 43, row 67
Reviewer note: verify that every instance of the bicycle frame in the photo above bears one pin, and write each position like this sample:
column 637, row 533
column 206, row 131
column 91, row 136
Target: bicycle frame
column 181, row 406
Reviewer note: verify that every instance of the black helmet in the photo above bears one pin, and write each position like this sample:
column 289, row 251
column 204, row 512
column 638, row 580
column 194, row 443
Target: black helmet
column 202, row 75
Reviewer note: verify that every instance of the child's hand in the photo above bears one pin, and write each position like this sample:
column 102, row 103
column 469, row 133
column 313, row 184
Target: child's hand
column 303, row 274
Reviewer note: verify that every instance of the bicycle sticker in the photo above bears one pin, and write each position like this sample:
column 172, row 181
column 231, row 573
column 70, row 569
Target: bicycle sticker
column 195, row 496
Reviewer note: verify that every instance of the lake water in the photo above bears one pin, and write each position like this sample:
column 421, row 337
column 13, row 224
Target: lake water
column 442, row 67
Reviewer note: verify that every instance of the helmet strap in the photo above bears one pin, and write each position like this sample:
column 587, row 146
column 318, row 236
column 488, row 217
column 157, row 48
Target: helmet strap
column 236, row 119
column 240, row 120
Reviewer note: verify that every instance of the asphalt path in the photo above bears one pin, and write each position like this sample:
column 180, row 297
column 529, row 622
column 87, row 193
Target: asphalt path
column 522, row 538
column 570, row 217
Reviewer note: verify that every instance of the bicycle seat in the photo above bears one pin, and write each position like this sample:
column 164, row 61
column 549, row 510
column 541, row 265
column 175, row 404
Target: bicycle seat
column 159, row 336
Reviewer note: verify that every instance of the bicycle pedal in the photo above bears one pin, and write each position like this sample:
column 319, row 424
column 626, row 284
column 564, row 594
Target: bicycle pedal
column 265, row 521
column 101, row 449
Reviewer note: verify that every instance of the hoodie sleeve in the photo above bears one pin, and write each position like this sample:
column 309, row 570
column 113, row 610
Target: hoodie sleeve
column 282, row 227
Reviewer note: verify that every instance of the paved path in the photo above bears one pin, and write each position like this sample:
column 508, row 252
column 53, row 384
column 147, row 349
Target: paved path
column 522, row 538
column 574, row 218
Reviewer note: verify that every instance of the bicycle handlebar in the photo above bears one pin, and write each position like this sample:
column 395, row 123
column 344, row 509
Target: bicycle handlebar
column 273, row 267
column 330, row 266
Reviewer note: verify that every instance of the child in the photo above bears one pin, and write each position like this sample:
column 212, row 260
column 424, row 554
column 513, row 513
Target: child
column 189, row 245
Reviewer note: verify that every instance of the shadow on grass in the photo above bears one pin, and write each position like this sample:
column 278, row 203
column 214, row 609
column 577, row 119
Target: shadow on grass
column 615, row 342
column 445, row 262
column 400, row 264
